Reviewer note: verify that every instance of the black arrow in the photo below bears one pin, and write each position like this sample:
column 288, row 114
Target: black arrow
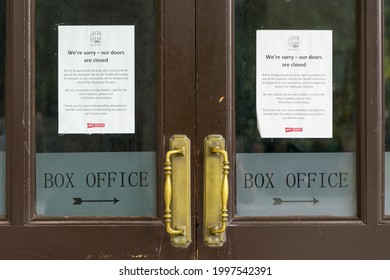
column 79, row 200
column 279, row 201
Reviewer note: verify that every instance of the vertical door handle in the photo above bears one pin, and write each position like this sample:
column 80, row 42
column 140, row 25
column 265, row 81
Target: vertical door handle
column 224, row 192
column 216, row 191
column 177, row 191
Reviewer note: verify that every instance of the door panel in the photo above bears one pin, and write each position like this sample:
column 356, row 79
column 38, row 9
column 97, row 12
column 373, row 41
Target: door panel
column 266, row 233
column 96, row 233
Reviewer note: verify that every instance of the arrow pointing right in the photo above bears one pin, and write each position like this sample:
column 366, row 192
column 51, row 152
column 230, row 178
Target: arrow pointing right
column 279, row 201
column 79, row 200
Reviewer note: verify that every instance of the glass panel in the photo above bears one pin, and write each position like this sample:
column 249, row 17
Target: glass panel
column 99, row 172
column 386, row 73
column 2, row 108
column 298, row 175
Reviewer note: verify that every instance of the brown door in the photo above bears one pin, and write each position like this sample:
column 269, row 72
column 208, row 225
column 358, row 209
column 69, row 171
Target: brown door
column 104, row 195
column 91, row 194
column 295, row 197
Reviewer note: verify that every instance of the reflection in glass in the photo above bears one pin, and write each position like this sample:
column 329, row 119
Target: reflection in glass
column 97, row 12
column 335, row 15
column 386, row 74
column 54, row 149
column 339, row 16
column 2, row 107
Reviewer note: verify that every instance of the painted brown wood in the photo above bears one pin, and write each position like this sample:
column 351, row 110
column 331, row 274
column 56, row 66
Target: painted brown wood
column 213, row 98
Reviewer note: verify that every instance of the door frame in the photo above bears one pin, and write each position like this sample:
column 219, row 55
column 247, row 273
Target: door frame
column 206, row 83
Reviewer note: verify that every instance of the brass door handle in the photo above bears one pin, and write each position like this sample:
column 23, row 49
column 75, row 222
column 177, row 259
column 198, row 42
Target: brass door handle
column 216, row 191
column 177, row 191
column 168, row 192
column 224, row 192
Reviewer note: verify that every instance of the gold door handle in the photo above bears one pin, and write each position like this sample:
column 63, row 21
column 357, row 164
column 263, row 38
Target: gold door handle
column 168, row 192
column 177, row 191
column 216, row 191
column 224, row 192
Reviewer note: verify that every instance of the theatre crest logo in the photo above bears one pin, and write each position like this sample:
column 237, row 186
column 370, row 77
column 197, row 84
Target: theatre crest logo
column 293, row 42
column 95, row 38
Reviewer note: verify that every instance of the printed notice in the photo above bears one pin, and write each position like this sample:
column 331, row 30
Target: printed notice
column 96, row 79
column 294, row 83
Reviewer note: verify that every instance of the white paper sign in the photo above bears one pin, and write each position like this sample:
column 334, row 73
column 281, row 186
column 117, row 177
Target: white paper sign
column 96, row 79
column 294, row 83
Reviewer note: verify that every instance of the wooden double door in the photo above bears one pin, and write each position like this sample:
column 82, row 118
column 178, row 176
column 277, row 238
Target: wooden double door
column 103, row 194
